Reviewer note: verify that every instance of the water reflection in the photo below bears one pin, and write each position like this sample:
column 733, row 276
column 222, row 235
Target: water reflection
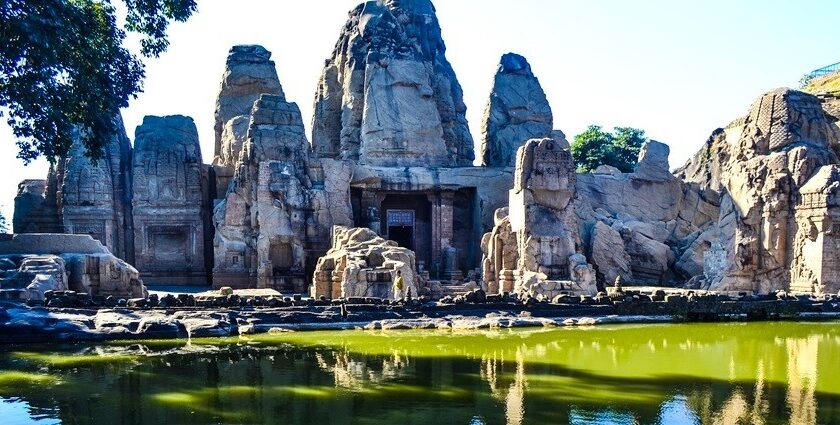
column 703, row 373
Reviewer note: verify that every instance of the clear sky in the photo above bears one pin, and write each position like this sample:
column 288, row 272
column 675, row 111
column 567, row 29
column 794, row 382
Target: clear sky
column 676, row 69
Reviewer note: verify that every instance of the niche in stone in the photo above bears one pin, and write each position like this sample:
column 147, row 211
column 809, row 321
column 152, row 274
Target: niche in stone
column 281, row 257
column 169, row 243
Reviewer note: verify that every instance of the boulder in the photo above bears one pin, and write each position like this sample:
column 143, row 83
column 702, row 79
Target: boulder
column 653, row 162
column 608, row 254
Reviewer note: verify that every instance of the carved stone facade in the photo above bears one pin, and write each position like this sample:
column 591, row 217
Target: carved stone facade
column 816, row 266
column 363, row 264
column 388, row 96
column 170, row 201
column 391, row 151
column 759, row 164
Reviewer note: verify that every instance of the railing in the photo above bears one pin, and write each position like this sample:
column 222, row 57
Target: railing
column 824, row 70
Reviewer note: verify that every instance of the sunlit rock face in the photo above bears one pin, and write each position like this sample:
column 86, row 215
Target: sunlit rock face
column 249, row 72
column 541, row 220
column 516, row 112
column 266, row 198
column 388, row 96
column 760, row 163
column 363, row 264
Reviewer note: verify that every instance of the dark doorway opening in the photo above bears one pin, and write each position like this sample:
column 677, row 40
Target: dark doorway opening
column 402, row 235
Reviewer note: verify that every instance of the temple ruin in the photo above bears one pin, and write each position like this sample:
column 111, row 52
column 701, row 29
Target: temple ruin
column 390, row 151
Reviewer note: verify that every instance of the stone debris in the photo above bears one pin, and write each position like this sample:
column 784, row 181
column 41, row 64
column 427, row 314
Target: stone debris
column 33, row 264
column 362, row 264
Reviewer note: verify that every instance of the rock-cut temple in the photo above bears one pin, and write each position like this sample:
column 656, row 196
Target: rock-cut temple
column 390, row 157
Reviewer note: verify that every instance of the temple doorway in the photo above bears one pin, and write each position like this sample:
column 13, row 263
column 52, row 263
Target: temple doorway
column 406, row 220
column 401, row 227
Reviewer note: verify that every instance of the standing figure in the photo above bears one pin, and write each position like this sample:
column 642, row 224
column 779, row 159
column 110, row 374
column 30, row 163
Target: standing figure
column 399, row 285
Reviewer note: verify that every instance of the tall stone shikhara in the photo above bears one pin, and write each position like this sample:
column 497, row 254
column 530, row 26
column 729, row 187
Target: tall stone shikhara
column 169, row 201
column 516, row 112
column 388, row 96
column 761, row 164
column 753, row 211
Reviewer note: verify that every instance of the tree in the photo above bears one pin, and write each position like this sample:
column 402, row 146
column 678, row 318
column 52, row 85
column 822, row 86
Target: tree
column 619, row 149
column 64, row 72
column 627, row 142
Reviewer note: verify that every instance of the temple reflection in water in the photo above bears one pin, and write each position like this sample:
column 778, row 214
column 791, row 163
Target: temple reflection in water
column 703, row 373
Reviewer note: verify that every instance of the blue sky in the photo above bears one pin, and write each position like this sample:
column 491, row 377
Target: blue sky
column 676, row 69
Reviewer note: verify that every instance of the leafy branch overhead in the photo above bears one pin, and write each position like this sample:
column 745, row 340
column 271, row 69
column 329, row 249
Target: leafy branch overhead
column 64, row 72
column 619, row 149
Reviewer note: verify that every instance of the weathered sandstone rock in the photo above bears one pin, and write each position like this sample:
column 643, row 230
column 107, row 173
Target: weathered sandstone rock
column 516, row 112
column 43, row 261
column 388, row 96
column 542, row 217
column 363, row 264
column 249, row 72
column 760, row 163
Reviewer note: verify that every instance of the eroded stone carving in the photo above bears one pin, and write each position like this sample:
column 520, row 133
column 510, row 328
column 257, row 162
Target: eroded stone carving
column 760, row 163
column 388, row 96
column 31, row 264
column 516, row 112
column 170, row 207
column 542, row 217
column 363, row 264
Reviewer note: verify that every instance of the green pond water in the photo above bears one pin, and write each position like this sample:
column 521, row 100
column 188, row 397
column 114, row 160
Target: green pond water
column 630, row 374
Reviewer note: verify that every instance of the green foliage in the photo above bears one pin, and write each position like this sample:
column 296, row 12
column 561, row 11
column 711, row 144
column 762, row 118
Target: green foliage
column 64, row 71
column 619, row 149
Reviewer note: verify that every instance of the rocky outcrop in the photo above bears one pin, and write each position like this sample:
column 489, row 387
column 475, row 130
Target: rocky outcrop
column 609, row 254
column 31, row 264
column 759, row 164
column 363, row 264
column 388, row 96
column 516, row 112
column 646, row 226
column 169, row 202
column 542, row 217
column 249, row 72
